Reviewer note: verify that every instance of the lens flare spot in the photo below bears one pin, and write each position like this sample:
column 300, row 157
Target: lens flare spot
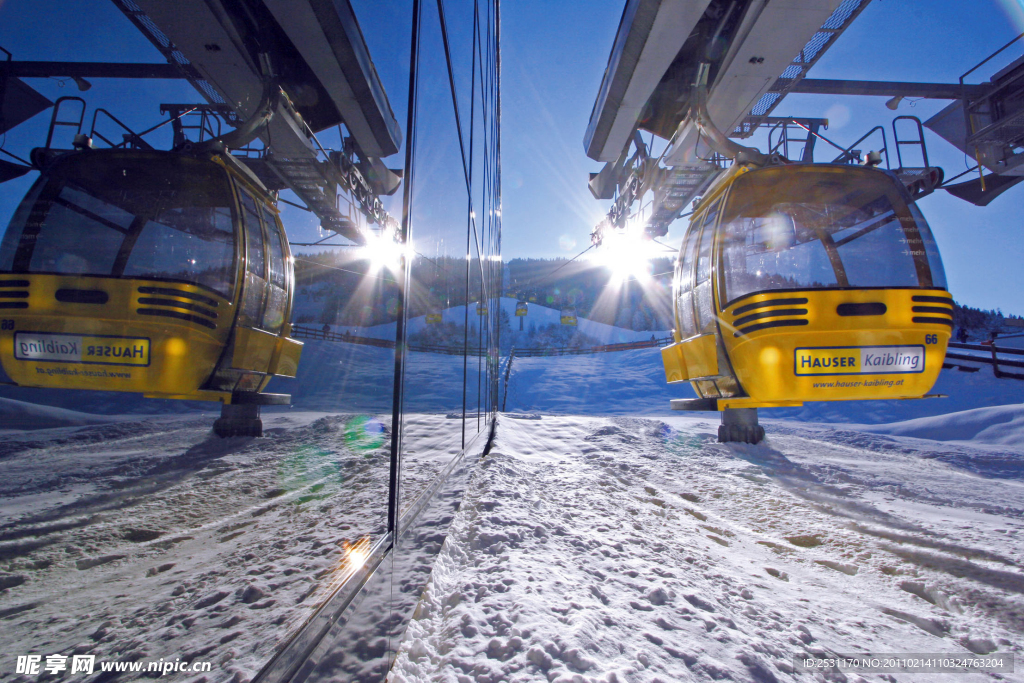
column 364, row 434
column 308, row 470
column 769, row 357
column 838, row 115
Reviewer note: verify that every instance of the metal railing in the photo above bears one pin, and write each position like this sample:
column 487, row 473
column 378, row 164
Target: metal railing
column 991, row 357
column 301, row 332
column 584, row 350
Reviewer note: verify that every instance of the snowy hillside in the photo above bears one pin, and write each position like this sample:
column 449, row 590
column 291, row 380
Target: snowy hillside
column 633, row 383
column 537, row 317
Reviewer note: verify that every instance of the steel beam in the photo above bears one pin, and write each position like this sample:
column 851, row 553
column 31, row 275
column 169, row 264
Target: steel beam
column 90, row 70
column 935, row 91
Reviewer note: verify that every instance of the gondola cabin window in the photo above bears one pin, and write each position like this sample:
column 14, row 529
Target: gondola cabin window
column 277, row 295
column 819, row 228
column 75, row 233
column 255, row 264
column 190, row 243
column 703, row 297
column 116, row 218
column 698, row 287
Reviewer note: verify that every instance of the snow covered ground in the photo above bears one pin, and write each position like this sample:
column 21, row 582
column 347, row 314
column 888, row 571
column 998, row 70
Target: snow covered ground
column 147, row 539
column 626, row 549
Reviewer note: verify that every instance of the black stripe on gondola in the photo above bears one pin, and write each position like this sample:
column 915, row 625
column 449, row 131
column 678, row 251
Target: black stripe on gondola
column 14, row 295
column 872, row 308
column 773, row 323
column 934, row 321
column 769, row 314
column 933, row 300
column 167, row 291
column 150, row 301
column 13, row 283
column 13, row 304
column 932, row 309
column 81, row 296
column 766, row 304
column 180, row 316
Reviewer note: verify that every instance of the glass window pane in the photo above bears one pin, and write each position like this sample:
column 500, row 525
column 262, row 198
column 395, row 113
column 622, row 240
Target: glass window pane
column 80, row 234
column 806, row 227
column 253, row 236
column 442, row 383
column 874, row 254
column 171, row 541
column 707, row 242
column 12, row 237
column 705, row 307
column 688, row 326
column 276, row 251
column 936, row 270
column 192, row 244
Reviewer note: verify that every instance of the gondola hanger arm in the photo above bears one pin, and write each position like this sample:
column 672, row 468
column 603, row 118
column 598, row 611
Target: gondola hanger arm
column 716, row 139
column 252, row 127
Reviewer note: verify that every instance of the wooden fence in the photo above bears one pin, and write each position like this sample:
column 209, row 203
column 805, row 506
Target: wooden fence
column 301, row 332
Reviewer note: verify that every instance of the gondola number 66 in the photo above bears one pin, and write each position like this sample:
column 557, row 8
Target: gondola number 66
column 931, row 339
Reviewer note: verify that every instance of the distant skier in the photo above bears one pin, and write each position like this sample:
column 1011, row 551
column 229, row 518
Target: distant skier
column 326, row 330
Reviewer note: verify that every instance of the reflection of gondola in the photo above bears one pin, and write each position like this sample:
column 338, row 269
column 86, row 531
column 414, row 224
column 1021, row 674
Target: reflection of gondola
column 151, row 272
column 521, row 308
column 433, row 318
column 481, row 308
column 569, row 316
column 806, row 283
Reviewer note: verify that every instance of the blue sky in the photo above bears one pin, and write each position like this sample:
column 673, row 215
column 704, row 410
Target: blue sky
column 553, row 56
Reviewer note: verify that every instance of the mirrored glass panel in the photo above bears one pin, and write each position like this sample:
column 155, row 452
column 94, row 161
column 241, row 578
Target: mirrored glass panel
column 200, row 306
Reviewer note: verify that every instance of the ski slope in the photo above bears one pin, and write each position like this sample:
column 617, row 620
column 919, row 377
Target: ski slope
column 537, row 317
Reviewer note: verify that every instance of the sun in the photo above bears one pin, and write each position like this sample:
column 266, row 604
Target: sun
column 383, row 252
column 627, row 256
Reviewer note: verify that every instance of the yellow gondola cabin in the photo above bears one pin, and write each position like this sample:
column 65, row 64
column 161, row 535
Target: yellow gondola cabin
column 159, row 273
column 806, row 282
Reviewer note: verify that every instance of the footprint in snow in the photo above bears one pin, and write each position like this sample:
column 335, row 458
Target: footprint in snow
column 805, row 540
column 937, row 627
column 848, row 569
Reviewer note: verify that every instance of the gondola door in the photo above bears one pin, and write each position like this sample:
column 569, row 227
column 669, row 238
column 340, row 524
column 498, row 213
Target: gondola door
column 263, row 300
column 695, row 302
